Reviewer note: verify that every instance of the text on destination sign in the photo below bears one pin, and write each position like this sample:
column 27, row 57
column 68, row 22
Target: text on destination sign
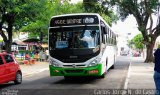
column 69, row 21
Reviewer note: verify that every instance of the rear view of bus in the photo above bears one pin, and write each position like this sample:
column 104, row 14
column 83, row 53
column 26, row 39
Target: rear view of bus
column 78, row 46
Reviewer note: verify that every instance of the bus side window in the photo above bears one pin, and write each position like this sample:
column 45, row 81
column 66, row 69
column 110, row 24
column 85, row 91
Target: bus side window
column 111, row 37
column 103, row 35
column 114, row 38
column 107, row 34
column 107, row 40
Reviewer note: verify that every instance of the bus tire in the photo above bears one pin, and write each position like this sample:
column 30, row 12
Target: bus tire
column 103, row 75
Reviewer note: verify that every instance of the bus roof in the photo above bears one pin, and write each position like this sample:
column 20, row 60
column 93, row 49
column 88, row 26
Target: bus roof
column 75, row 14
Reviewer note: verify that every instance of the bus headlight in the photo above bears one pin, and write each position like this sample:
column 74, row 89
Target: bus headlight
column 54, row 63
column 94, row 62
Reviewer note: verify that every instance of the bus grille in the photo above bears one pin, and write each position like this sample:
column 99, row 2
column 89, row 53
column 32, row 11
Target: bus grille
column 73, row 60
column 73, row 71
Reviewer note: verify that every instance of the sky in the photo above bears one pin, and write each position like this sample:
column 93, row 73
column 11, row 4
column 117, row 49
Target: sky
column 129, row 25
column 123, row 28
column 75, row 1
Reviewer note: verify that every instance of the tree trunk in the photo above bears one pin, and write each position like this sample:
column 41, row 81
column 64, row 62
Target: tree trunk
column 149, row 56
column 8, row 46
column 8, row 43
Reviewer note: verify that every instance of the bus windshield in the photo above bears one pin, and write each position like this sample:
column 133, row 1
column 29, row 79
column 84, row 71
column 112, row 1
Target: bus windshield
column 74, row 37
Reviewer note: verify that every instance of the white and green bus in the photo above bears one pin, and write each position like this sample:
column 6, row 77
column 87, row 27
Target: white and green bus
column 80, row 44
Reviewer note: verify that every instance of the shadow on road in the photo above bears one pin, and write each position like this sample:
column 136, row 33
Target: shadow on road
column 77, row 80
column 2, row 86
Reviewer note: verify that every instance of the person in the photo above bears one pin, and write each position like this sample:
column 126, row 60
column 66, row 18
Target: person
column 36, row 56
column 40, row 55
column 44, row 56
column 88, row 39
column 27, row 57
column 157, row 70
column 76, row 39
column 15, row 53
column 47, row 54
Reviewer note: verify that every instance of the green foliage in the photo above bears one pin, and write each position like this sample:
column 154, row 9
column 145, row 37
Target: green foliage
column 92, row 6
column 158, row 45
column 135, row 7
column 107, row 19
column 18, row 13
column 25, row 10
column 33, row 15
column 67, row 8
column 24, row 51
column 41, row 22
column 142, row 10
column 137, row 41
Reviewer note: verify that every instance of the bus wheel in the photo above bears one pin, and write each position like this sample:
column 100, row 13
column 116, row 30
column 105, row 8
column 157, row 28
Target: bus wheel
column 103, row 75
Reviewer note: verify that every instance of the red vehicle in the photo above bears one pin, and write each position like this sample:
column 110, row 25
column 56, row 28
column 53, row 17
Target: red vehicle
column 9, row 69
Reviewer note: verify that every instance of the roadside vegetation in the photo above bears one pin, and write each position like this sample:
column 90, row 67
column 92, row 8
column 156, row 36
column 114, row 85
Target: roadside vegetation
column 137, row 42
column 33, row 16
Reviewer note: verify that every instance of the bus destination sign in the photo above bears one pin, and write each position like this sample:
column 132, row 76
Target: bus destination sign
column 68, row 21
column 74, row 20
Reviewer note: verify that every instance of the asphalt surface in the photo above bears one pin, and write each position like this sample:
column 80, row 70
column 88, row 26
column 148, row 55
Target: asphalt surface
column 42, row 84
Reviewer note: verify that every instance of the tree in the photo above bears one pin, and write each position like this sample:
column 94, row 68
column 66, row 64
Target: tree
column 143, row 11
column 137, row 42
column 15, row 14
column 92, row 6
column 53, row 7
column 56, row 7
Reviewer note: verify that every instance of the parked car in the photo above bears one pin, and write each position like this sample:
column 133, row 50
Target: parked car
column 9, row 69
column 136, row 54
column 124, row 53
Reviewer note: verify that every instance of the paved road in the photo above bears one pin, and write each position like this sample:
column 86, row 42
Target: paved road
column 43, row 84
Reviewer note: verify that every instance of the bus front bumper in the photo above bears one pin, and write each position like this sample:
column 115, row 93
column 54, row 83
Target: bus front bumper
column 86, row 71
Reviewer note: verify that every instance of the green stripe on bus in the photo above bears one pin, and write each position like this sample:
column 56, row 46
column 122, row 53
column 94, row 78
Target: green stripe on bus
column 86, row 71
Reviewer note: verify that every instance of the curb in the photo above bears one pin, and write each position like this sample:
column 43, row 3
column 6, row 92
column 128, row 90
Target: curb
column 29, row 74
column 127, row 78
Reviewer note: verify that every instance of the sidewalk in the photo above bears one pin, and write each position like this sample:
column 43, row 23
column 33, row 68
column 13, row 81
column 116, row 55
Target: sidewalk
column 34, row 68
column 140, row 74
